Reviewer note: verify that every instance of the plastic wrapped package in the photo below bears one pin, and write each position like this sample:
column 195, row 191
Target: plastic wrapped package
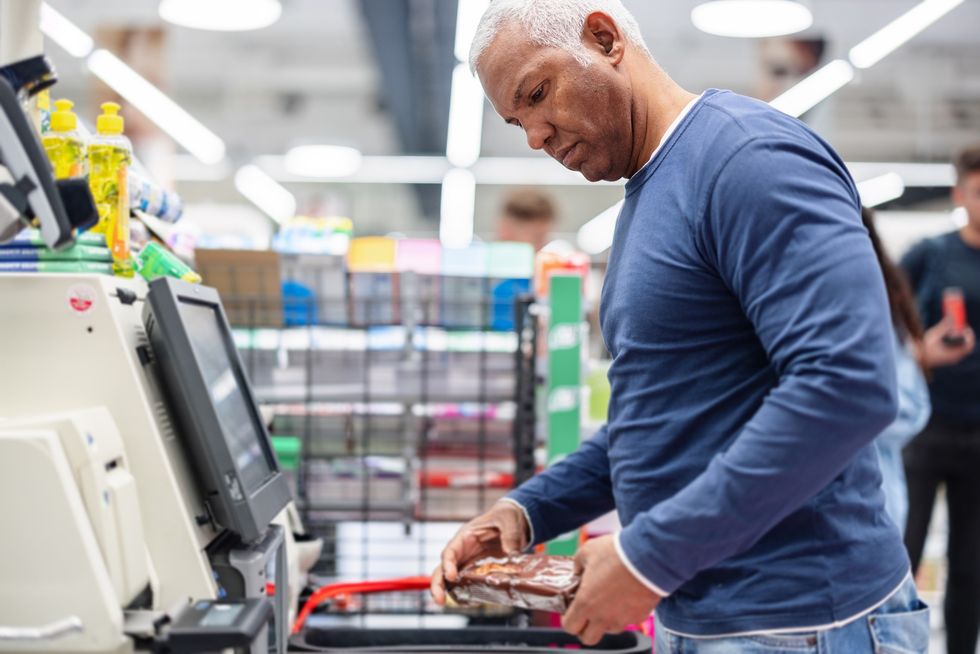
column 529, row 581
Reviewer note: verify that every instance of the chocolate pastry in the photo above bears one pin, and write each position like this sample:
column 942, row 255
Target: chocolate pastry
column 528, row 581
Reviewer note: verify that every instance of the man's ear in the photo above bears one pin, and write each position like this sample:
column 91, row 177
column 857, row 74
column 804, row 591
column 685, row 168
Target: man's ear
column 601, row 34
column 957, row 195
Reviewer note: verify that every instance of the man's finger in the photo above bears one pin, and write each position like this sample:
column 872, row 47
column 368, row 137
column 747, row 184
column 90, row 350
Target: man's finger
column 580, row 559
column 510, row 540
column 450, row 557
column 575, row 618
column 592, row 633
column 437, row 587
column 969, row 339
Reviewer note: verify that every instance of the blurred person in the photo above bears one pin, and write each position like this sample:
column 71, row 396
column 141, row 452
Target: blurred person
column 947, row 452
column 916, row 351
column 752, row 360
column 527, row 215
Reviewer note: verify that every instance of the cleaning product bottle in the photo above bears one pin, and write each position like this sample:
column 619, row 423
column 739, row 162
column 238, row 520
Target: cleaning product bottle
column 156, row 261
column 109, row 156
column 63, row 143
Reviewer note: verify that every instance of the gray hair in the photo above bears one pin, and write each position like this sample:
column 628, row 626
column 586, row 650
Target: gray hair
column 552, row 23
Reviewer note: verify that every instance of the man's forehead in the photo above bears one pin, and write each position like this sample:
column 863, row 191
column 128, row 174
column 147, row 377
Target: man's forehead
column 504, row 66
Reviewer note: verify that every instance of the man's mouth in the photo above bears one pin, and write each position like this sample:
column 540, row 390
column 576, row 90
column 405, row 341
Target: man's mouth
column 564, row 156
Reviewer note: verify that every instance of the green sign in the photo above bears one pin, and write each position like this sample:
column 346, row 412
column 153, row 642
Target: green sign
column 564, row 382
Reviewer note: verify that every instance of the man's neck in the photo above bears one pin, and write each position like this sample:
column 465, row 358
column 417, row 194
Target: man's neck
column 971, row 235
column 659, row 100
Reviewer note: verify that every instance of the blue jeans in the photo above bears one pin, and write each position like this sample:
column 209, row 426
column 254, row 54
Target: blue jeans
column 899, row 626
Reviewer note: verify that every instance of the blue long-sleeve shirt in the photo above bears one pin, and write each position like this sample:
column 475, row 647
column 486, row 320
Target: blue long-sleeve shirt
column 752, row 366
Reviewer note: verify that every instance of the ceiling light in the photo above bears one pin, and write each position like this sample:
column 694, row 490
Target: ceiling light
column 468, row 15
column 881, row 189
column 877, row 46
column 65, row 33
column 465, row 118
column 221, row 15
column 457, row 206
column 913, row 174
column 265, row 193
column 322, row 161
column 596, row 235
column 155, row 105
column 810, row 91
column 751, row 18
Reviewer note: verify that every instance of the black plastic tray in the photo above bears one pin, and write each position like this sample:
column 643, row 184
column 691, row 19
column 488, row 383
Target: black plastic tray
column 446, row 641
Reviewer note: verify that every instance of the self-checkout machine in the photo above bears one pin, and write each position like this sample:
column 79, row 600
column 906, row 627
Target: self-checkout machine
column 142, row 474
column 141, row 505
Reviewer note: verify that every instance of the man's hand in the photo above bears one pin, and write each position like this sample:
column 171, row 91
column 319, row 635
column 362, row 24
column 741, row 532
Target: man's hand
column 935, row 352
column 609, row 597
column 501, row 530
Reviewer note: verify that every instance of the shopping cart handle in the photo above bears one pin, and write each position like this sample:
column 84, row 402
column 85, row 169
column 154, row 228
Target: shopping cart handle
column 357, row 588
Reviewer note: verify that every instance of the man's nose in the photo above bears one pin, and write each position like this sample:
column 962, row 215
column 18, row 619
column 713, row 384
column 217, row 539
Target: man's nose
column 538, row 135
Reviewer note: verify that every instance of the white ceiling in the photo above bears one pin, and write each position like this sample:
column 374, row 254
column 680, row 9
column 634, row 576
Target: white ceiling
column 311, row 77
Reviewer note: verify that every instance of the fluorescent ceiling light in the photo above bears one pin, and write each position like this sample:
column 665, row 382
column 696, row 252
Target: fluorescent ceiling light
column 465, row 118
column 65, row 33
column 409, row 169
column 457, row 206
column 155, row 105
column 468, row 14
column 811, row 90
column 322, row 161
column 596, row 235
column 881, row 189
column 221, row 15
column 265, row 193
column 912, row 174
column 751, row 18
column 877, row 46
column 959, row 217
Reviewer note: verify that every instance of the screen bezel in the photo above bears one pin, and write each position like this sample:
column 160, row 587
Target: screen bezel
column 245, row 512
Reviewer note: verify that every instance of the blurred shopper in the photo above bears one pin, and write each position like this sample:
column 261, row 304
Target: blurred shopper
column 527, row 215
column 752, row 360
column 947, row 452
column 916, row 351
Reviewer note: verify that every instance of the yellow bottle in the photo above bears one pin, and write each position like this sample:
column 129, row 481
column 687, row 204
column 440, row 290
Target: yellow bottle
column 109, row 156
column 63, row 143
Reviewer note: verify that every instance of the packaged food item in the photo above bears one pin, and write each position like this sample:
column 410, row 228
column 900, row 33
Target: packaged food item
column 528, row 581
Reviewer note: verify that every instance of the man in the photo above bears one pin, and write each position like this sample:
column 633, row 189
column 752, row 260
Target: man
column 948, row 450
column 527, row 216
column 752, row 361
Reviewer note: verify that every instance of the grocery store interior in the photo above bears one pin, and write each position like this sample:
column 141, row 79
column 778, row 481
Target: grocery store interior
column 292, row 239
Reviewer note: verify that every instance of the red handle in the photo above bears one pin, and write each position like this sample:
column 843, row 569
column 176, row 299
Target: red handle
column 353, row 588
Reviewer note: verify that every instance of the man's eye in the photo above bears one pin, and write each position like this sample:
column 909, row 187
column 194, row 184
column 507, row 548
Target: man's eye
column 538, row 93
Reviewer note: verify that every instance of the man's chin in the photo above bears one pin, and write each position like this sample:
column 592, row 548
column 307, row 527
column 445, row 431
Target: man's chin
column 598, row 176
column 591, row 175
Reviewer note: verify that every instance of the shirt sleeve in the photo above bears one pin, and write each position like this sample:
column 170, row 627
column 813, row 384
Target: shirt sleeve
column 781, row 228
column 569, row 493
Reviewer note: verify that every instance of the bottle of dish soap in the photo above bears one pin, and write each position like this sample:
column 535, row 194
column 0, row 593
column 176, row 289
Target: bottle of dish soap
column 63, row 143
column 109, row 156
